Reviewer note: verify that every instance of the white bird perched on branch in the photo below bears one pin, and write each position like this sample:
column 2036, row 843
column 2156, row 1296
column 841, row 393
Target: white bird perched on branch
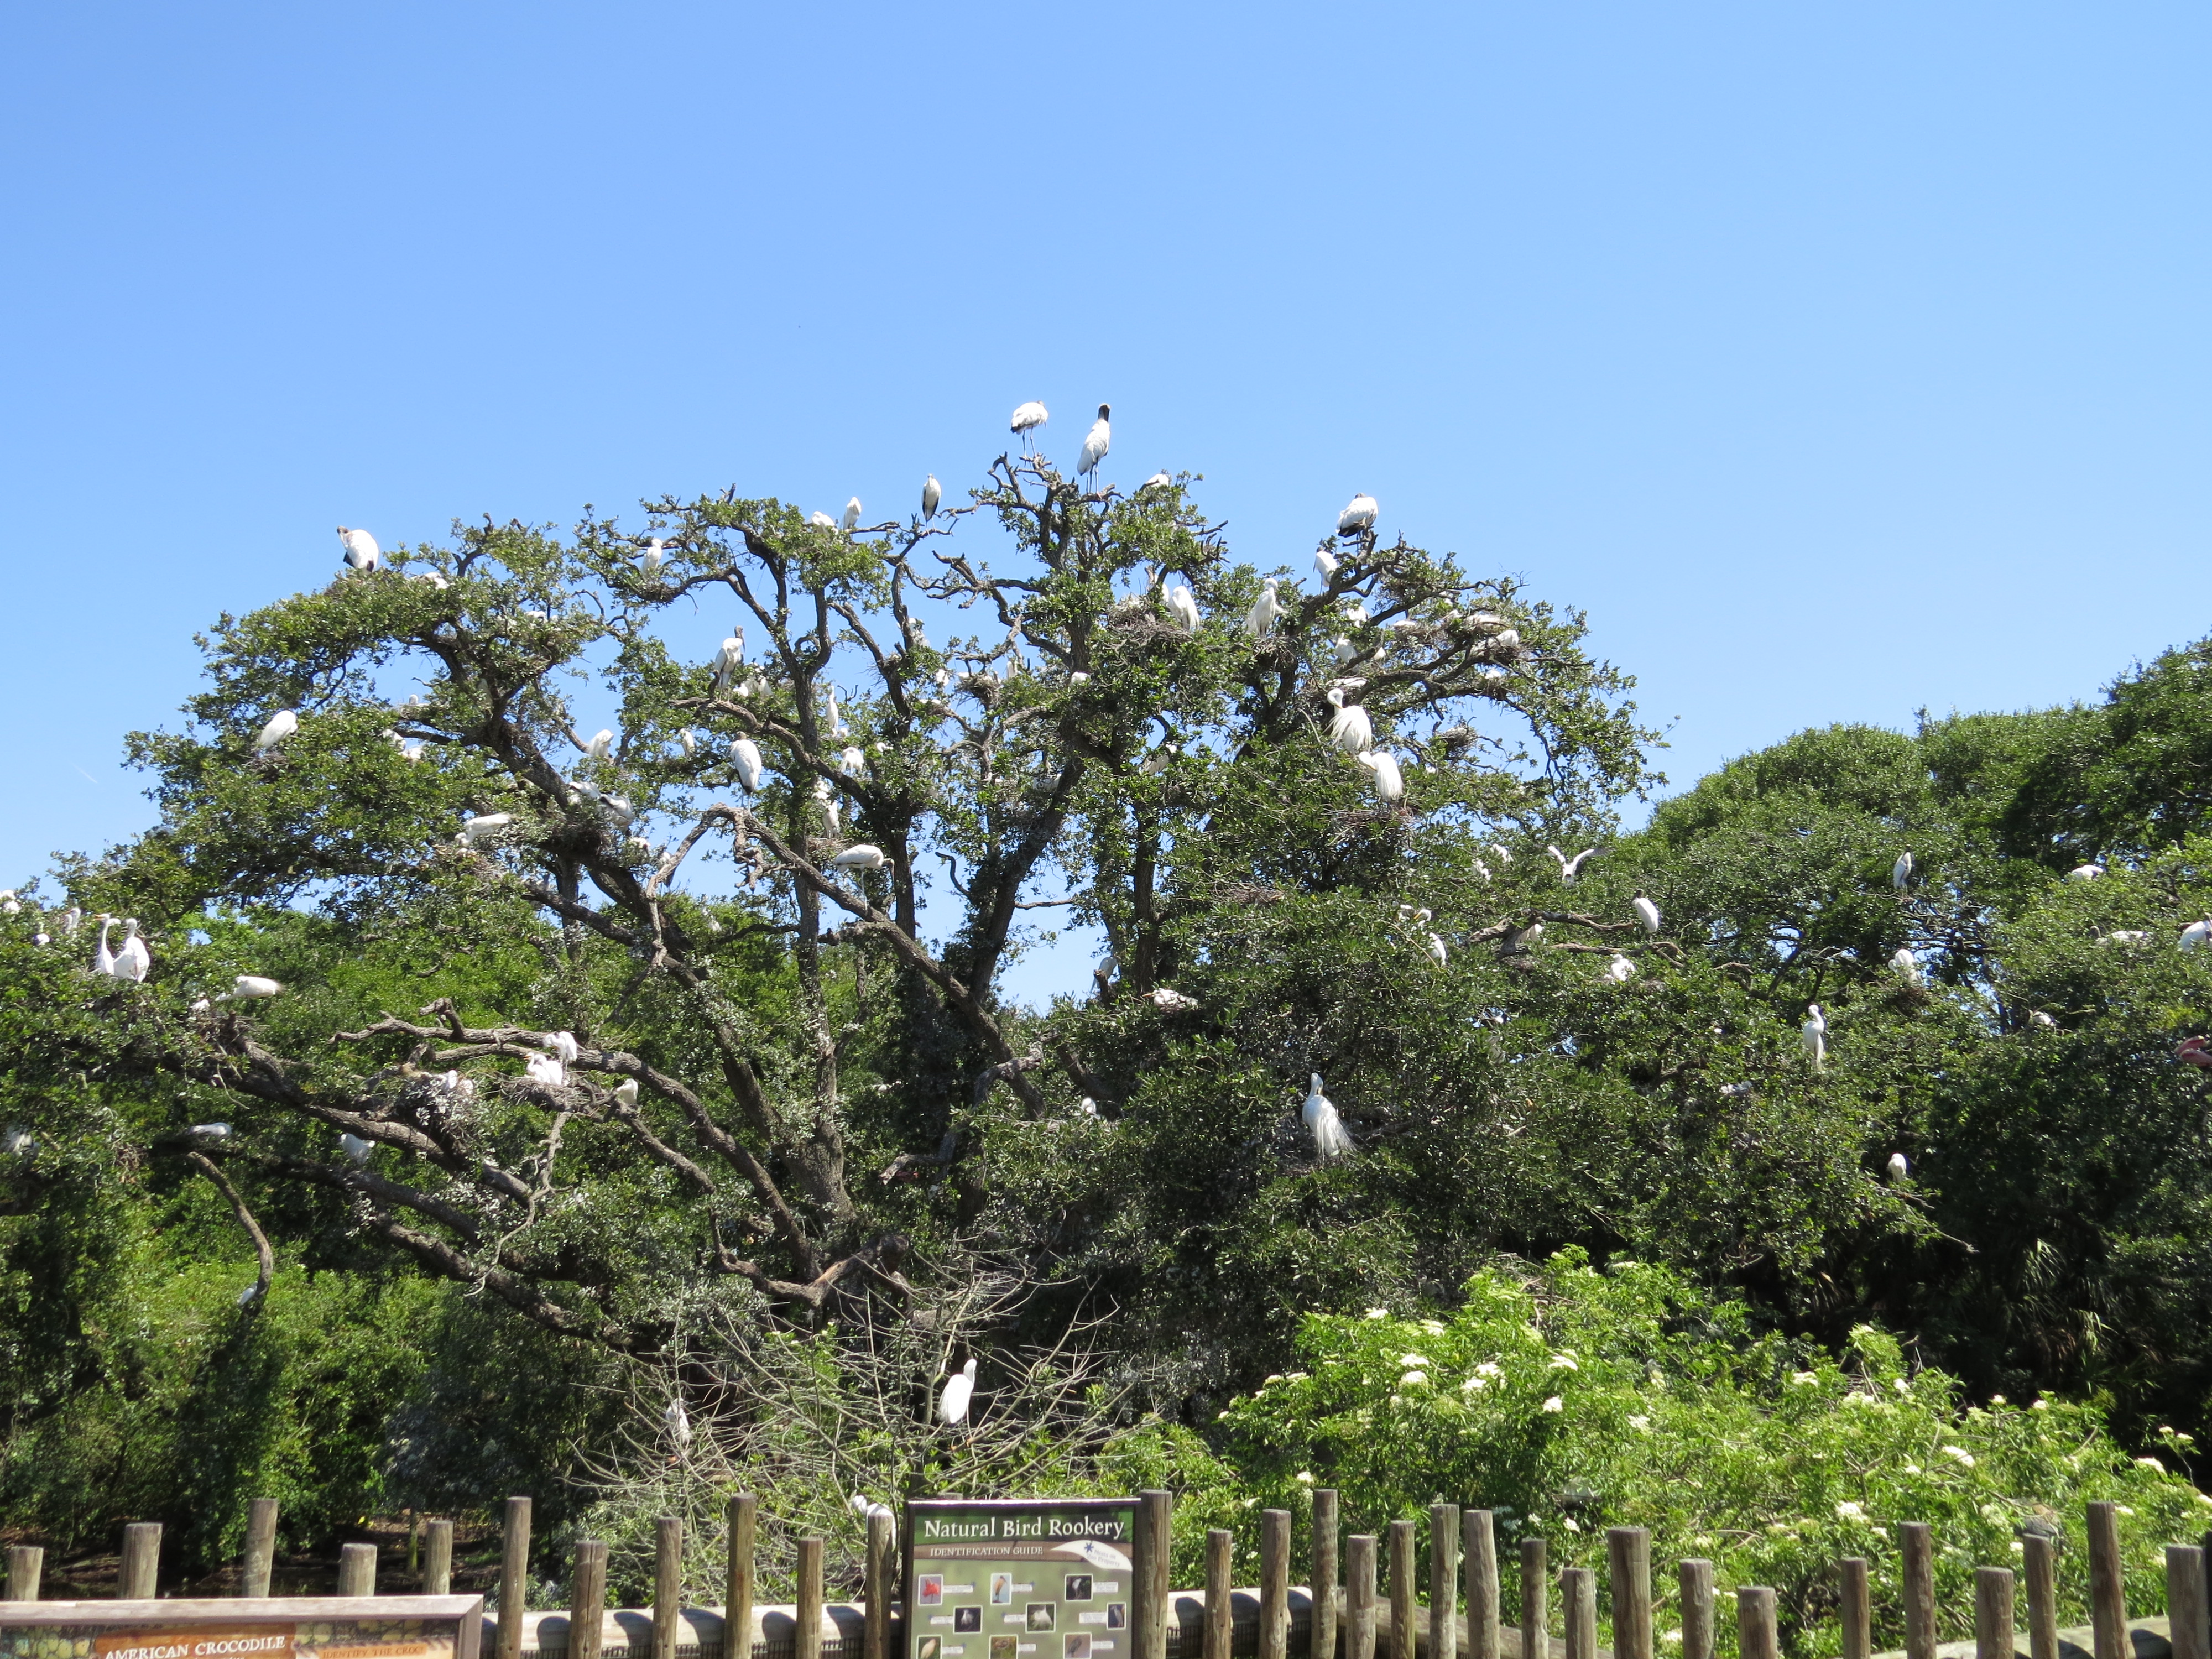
column 1260, row 620
column 863, row 857
column 1438, row 954
column 362, row 552
column 544, row 1068
column 1324, row 563
column 209, row 1135
column 959, row 1393
column 282, row 725
column 355, row 1148
column 931, row 493
column 252, row 987
column 1330, row 1139
column 562, row 1045
column 1027, row 418
column 1172, row 1002
column 2196, row 933
column 826, row 799
column 866, row 1508
column 822, row 522
column 484, row 824
column 1359, row 516
column 679, row 1422
column 1390, row 782
column 1646, row 912
column 851, row 521
column 655, row 551
column 1570, row 868
column 729, row 658
column 1907, row 963
column 1099, row 439
column 1349, row 728
column 2085, row 872
column 626, row 1092
column 746, row 756
column 1901, row 871
column 1183, row 608
column 1159, row 480
column 852, row 762
column 103, row 959
column 1899, row 1168
column 133, row 962
column 9, row 905
column 1814, row 1035
column 1620, row 969
column 601, row 745
column 687, row 743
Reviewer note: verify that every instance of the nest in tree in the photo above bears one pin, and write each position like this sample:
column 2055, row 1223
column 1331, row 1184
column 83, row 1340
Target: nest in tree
column 1390, row 821
column 1149, row 630
column 1245, row 892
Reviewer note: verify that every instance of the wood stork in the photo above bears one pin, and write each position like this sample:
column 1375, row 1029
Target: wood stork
column 1183, row 608
column 1646, row 912
column 1350, row 728
column 747, row 753
column 1570, row 868
column 863, row 857
column 931, row 493
column 729, row 658
column 133, row 962
column 851, row 521
column 282, row 725
column 1358, row 517
column 1390, row 782
column 959, row 1392
column 362, row 552
column 1094, row 445
column 1813, row 1035
column 1027, row 419
column 1260, row 620
column 1331, row 1140
column 1901, row 872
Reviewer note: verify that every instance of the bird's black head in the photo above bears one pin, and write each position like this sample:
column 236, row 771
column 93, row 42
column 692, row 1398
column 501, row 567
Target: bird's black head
column 1103, row 411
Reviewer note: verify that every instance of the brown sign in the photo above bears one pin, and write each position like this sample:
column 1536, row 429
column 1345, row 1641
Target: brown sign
column 308, row 1627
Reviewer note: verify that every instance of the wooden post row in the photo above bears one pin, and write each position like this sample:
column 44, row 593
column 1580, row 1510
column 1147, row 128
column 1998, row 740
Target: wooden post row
column 1578, row 1612
column 1274, row 1584
column 1444, row 1581
column 1321, row 1631
column 1535, row 1644
column 1857, row 1609
column 1993, row 1588
column 2039, row 1561
column 513, row 1577
column 1478, row 1541
column 1155, row 1531
column 1219, row 1543
column 1697, row 1580
column 1757, row 1636
column 1360, row 1597
column 1401, row 1589
column 142, row 1562
column 357, row 1569
column 667, row 1585
column 808, row 1613
column 877, row 1636
column 737, row 1577
column 260, row 1548
column 587, row 1600
column 1628, row 1559
column 438, row 1559
column 2108, row 1608
column 27, row 1564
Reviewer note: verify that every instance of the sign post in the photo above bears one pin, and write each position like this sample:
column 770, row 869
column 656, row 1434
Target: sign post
column 1020, row 1578
column 321, row 1627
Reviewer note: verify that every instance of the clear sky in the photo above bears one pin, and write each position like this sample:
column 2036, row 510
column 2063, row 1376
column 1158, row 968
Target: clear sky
column 1839, row 361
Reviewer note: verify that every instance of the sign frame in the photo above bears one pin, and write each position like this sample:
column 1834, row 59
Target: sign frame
column 1110, row 1524
column 241, row 1615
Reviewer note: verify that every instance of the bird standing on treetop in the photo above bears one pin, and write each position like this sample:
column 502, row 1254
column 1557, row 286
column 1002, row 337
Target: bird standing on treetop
column 1907, row 963
column 1349, row 729
column 1183, row 608
column 282, row 725
column 1646, row 912
column 1027, row 418
column 959, row 1392
column 1329, row 1137
column 1260, row 618
column 1390, row 782
column 1901, row 871
column 747, row 756
column 1813, row 1034
column 1324, row 563
column 600, row 746
column 103, row 959
column 655, row 551
column 133, row 962
column 362, row 552
column 863, row 857
column 931, row 493
column 1570, row 868
column 1094, row 445
column 2085, row 872
column 1357, row 516
column 851, row 521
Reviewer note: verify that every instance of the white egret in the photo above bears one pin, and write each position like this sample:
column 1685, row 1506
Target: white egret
column 2126, row 936
column 931, row 493
column 209, row 1135
column 1814, row 1035
column 863, row 857
column 1172, row 1002
column 282, row 725
column 1159, row 480
column 562, row 1045
column 837, row 726
column 655, row 551
column 103, row 959
column 2196, row 933
column 822, row 522
column 626, row 1092
column 687, row 743
column 678, row 1423
column 18, row 1142
column 1183, row 608
column 827, row 799
column 1330, row 1138
column 1646, row 912
column 1094, row 445
column 1505, row 853
column 1026, row 420
column 355, row 1148
column 747, row 753
column 1901, row 871
column 544, row 1068
column 1349, row 729
column 254, row 987
column 362, row 552
column 1437, row 952
column 1390, row 782
column 852, row 762
column 482, row 824
column 1907, row 963
column 1899, row 1168
column 601, row 745
column 70, row 919
column 1359, row 516
column 851, row 521
column 132, row 962
column 8, row 904
column 959, row 1393
column 2085, row 872
column 1570, row 868
column 1620, row 969
column 1260, row 620
column 1324, row 563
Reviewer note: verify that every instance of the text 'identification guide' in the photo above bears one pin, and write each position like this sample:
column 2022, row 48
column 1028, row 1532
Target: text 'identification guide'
column 1017, row 1578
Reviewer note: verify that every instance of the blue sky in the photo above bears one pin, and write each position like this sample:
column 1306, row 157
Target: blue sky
column 1839, row 362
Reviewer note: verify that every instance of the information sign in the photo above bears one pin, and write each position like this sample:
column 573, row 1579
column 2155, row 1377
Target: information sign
column 319, row 1627
column 1020, row 1578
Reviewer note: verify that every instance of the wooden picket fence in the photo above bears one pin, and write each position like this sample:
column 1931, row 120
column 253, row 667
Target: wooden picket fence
column 1274, row 1619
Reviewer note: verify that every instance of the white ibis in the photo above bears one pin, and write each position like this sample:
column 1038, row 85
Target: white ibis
column 1330, row 1139
column 1390, row 782
column 282, row 725
column 1646, row 912
column 851, row 521
column 601, row 745
column 1260, row 618
column 958, row 1394
column 746, row 755
column 543, row 1068
column 1570, row 868
column 863, row 857
column 1095, row 445
column 1183, row 608
column 931, row 493
column 1356, row 517
column 1620, row 969
column 355, row 1148
column 1027, row 419
column 1349, row 728
column 1324, row 563
column 1814, row 1036
column 1901, row 871
column 362, row 552
column 1898, row 1168
column 679, row 1422
column 132, row 962
column 484, row 824
column 2085, row 872
column 2196, row 933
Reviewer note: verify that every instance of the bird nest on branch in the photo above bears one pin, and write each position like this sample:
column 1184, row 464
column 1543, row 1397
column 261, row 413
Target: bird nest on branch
column 1245, row 892
column 1390, row 821
column 1146, row 629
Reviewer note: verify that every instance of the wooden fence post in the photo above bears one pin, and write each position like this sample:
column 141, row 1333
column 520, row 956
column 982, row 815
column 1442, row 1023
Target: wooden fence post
column 2040, row 1562
column 1756, row 1635
column 1153, row 1591
column 808, row 1639
column 1403, row 1601
column 1360, row 1597
column 1534, row 1642
column 438, row 1559
column 1479, row 1539
column 1218, row 1611
column 1857, row 1609
column 2108, row 1606
column 737, row 1577
column 1578, row 1612
column 1444, row 1581
column 140, row 1574
column 1916, row 1546
column 587, row 1601
column 27, row 1564
column 1274, row 1584
column 1628, row 1560
column 357, row 1569
column 1320, row 1641
column 1697, row 1578
column 667, row 1585
column 513, row 1577
column 2185, row 1601
column 877, row 1630
column 260, row 1548
column 1993, row 1588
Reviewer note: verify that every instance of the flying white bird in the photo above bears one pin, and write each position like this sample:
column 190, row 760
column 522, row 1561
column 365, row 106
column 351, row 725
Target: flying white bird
column 1095, row 445
column 959, row 1391
column 1901, row 871
column 282, row 725
column 103, row 959
column 1183, row 608
column 1899, row 1168
column 931, row 493
column 562, row 1045
column 1356, row 517
column 679, row 1424
column 132, row 962
column 863, row 857
column 747, row 756
column 1907, row 963
column 1349, row 728
column 2196, row 933
column 355, row 1148
column 1620, row 969
column 626, row 1092
column 1570, row 868
column 1389, row 782
column 851, row 521
column 1026, row 420
column 1646, row 912
column 601, row 745
column 209, row 1134
column 1324, row 563
column 362, row 552
column 2085, row 872
column 1260, row 618
column 544, row 1068
column 1330, row 1139
column 1813, row 1034
column 484, row 824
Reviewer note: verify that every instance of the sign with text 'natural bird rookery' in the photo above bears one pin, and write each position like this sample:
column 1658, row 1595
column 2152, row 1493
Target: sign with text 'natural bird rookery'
column 1018, row 1579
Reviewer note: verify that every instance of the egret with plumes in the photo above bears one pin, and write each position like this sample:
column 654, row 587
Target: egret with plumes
column 1095, row 445
column 355, row 1148
column 601, row 745
column 931, row 493
column 1570, row 868
column 1330, row 1139
column 103, row 959
column 1183, row 608
column 822, row 522
column 1390, row 782
column 484, row 824
column 562, row 1045
column 1901, row 871
column 863, row 857
column 852, row 762
column 1438, row 954
column 362, row 552
column 1026, row 420
column 1349, row 728
column 1646, row 912
column 254, row 987
column 655, row 551
column 282, row 725
column 851, row 521
column 958, row 1394
column 1260, row 620
column 745, row 754
column 1324, row 563
column 545, row 1069
column 687, row 743
column 1620, row 969
column 1814, row 1036
column 133, row 962
column 1898, row 1168
column 1359, row 517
